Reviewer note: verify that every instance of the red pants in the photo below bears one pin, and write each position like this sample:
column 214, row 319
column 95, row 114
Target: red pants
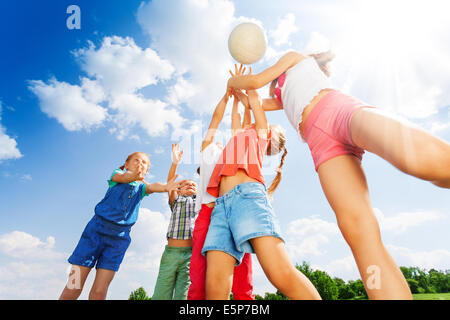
column 242, row 278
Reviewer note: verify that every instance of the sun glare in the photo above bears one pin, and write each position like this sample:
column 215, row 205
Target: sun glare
column 393, row 28
column 392, row 49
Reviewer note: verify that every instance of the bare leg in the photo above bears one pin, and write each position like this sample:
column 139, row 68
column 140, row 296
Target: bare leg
column 409, row 148
column 99, row 289
column 219, row 275
column 274, row 260
column 344, row 184
column 75, row 284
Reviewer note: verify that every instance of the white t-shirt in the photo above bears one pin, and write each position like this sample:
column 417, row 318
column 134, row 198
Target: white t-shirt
column 208, row 158
column 303, row 82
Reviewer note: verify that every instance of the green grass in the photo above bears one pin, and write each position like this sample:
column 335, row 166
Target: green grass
column 421, row 296
column 431, row 296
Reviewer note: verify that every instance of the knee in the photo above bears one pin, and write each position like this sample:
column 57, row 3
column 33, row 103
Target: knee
column 98, row 293
column 360, row 229
column 435, row 164
column 70, row 294
column 281, row 278
column 218, row 285
column 217, row 288
column 442, row 167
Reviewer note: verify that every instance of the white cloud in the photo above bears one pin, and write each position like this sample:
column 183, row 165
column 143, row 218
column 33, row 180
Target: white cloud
column 26, row 177
column 402, row 221
column 8, row 145
column 305, row 236
column 181, row 91
column 312, row 238
column 30, row 268
column 121, row 66
column 436, row 258
column 344, row 268
column 317, row 43
column 29, row 280
column 141, row 263
column 75, row 107
column 119, row 69
column 438, row 127
column 285, row 28
column 18, row 244
column 92, row 90
column 193, row 36
column 153, row 116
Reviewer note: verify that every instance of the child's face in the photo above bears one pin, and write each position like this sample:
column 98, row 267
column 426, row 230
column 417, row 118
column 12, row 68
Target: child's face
column 188, row 188
column 139, row 162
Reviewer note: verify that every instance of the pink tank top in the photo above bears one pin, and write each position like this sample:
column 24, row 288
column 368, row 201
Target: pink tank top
column 280, row 83
column 244, row 151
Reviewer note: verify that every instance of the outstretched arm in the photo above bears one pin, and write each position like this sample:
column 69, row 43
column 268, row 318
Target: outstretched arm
column 216, row 120
column 238, row 94
column 128, row 176
column 256, row 81
column 247, row 117
column 259, row 114
column 235, row 118
column 268, row 104
column 170, row 186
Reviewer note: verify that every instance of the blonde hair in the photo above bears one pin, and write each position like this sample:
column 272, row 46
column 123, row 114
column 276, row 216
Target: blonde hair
column 131, row 156
column 323, row 59
column 276, row 145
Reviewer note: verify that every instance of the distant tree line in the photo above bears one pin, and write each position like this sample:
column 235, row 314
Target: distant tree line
column 419, row 281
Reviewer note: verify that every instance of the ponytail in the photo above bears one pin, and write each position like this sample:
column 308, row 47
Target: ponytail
column 276, row 181
column 273, row 85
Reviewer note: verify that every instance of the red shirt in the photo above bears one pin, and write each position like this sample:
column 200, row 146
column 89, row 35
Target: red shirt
column 244, row 151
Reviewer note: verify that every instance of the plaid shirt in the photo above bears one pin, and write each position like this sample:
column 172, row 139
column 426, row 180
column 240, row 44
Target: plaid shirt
column 182, row 219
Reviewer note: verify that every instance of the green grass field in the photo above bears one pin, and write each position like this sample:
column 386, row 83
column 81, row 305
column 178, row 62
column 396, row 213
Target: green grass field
column 422, row 296
column 431, row 296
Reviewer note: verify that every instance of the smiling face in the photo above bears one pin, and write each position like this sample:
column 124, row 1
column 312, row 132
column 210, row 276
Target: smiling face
column 138, row 161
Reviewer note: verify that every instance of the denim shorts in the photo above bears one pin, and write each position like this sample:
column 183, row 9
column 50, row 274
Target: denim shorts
column 243, row 213
column 102, row 244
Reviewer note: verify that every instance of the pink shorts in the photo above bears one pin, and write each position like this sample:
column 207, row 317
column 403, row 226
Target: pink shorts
column 327, row 128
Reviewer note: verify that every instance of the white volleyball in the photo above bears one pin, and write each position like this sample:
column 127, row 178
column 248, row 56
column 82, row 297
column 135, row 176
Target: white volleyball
column 247, row 43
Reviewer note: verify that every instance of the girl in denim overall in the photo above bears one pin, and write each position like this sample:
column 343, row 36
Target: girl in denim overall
column 107, row 235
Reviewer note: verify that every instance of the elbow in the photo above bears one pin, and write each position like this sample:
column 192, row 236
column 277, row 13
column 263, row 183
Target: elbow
column 254, row 83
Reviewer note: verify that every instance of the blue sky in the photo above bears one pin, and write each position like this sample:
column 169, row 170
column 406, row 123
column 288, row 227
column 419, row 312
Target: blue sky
column 141, row 76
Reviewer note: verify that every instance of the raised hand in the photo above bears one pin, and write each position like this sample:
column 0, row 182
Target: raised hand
column 176, row 153
column 240, row 71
